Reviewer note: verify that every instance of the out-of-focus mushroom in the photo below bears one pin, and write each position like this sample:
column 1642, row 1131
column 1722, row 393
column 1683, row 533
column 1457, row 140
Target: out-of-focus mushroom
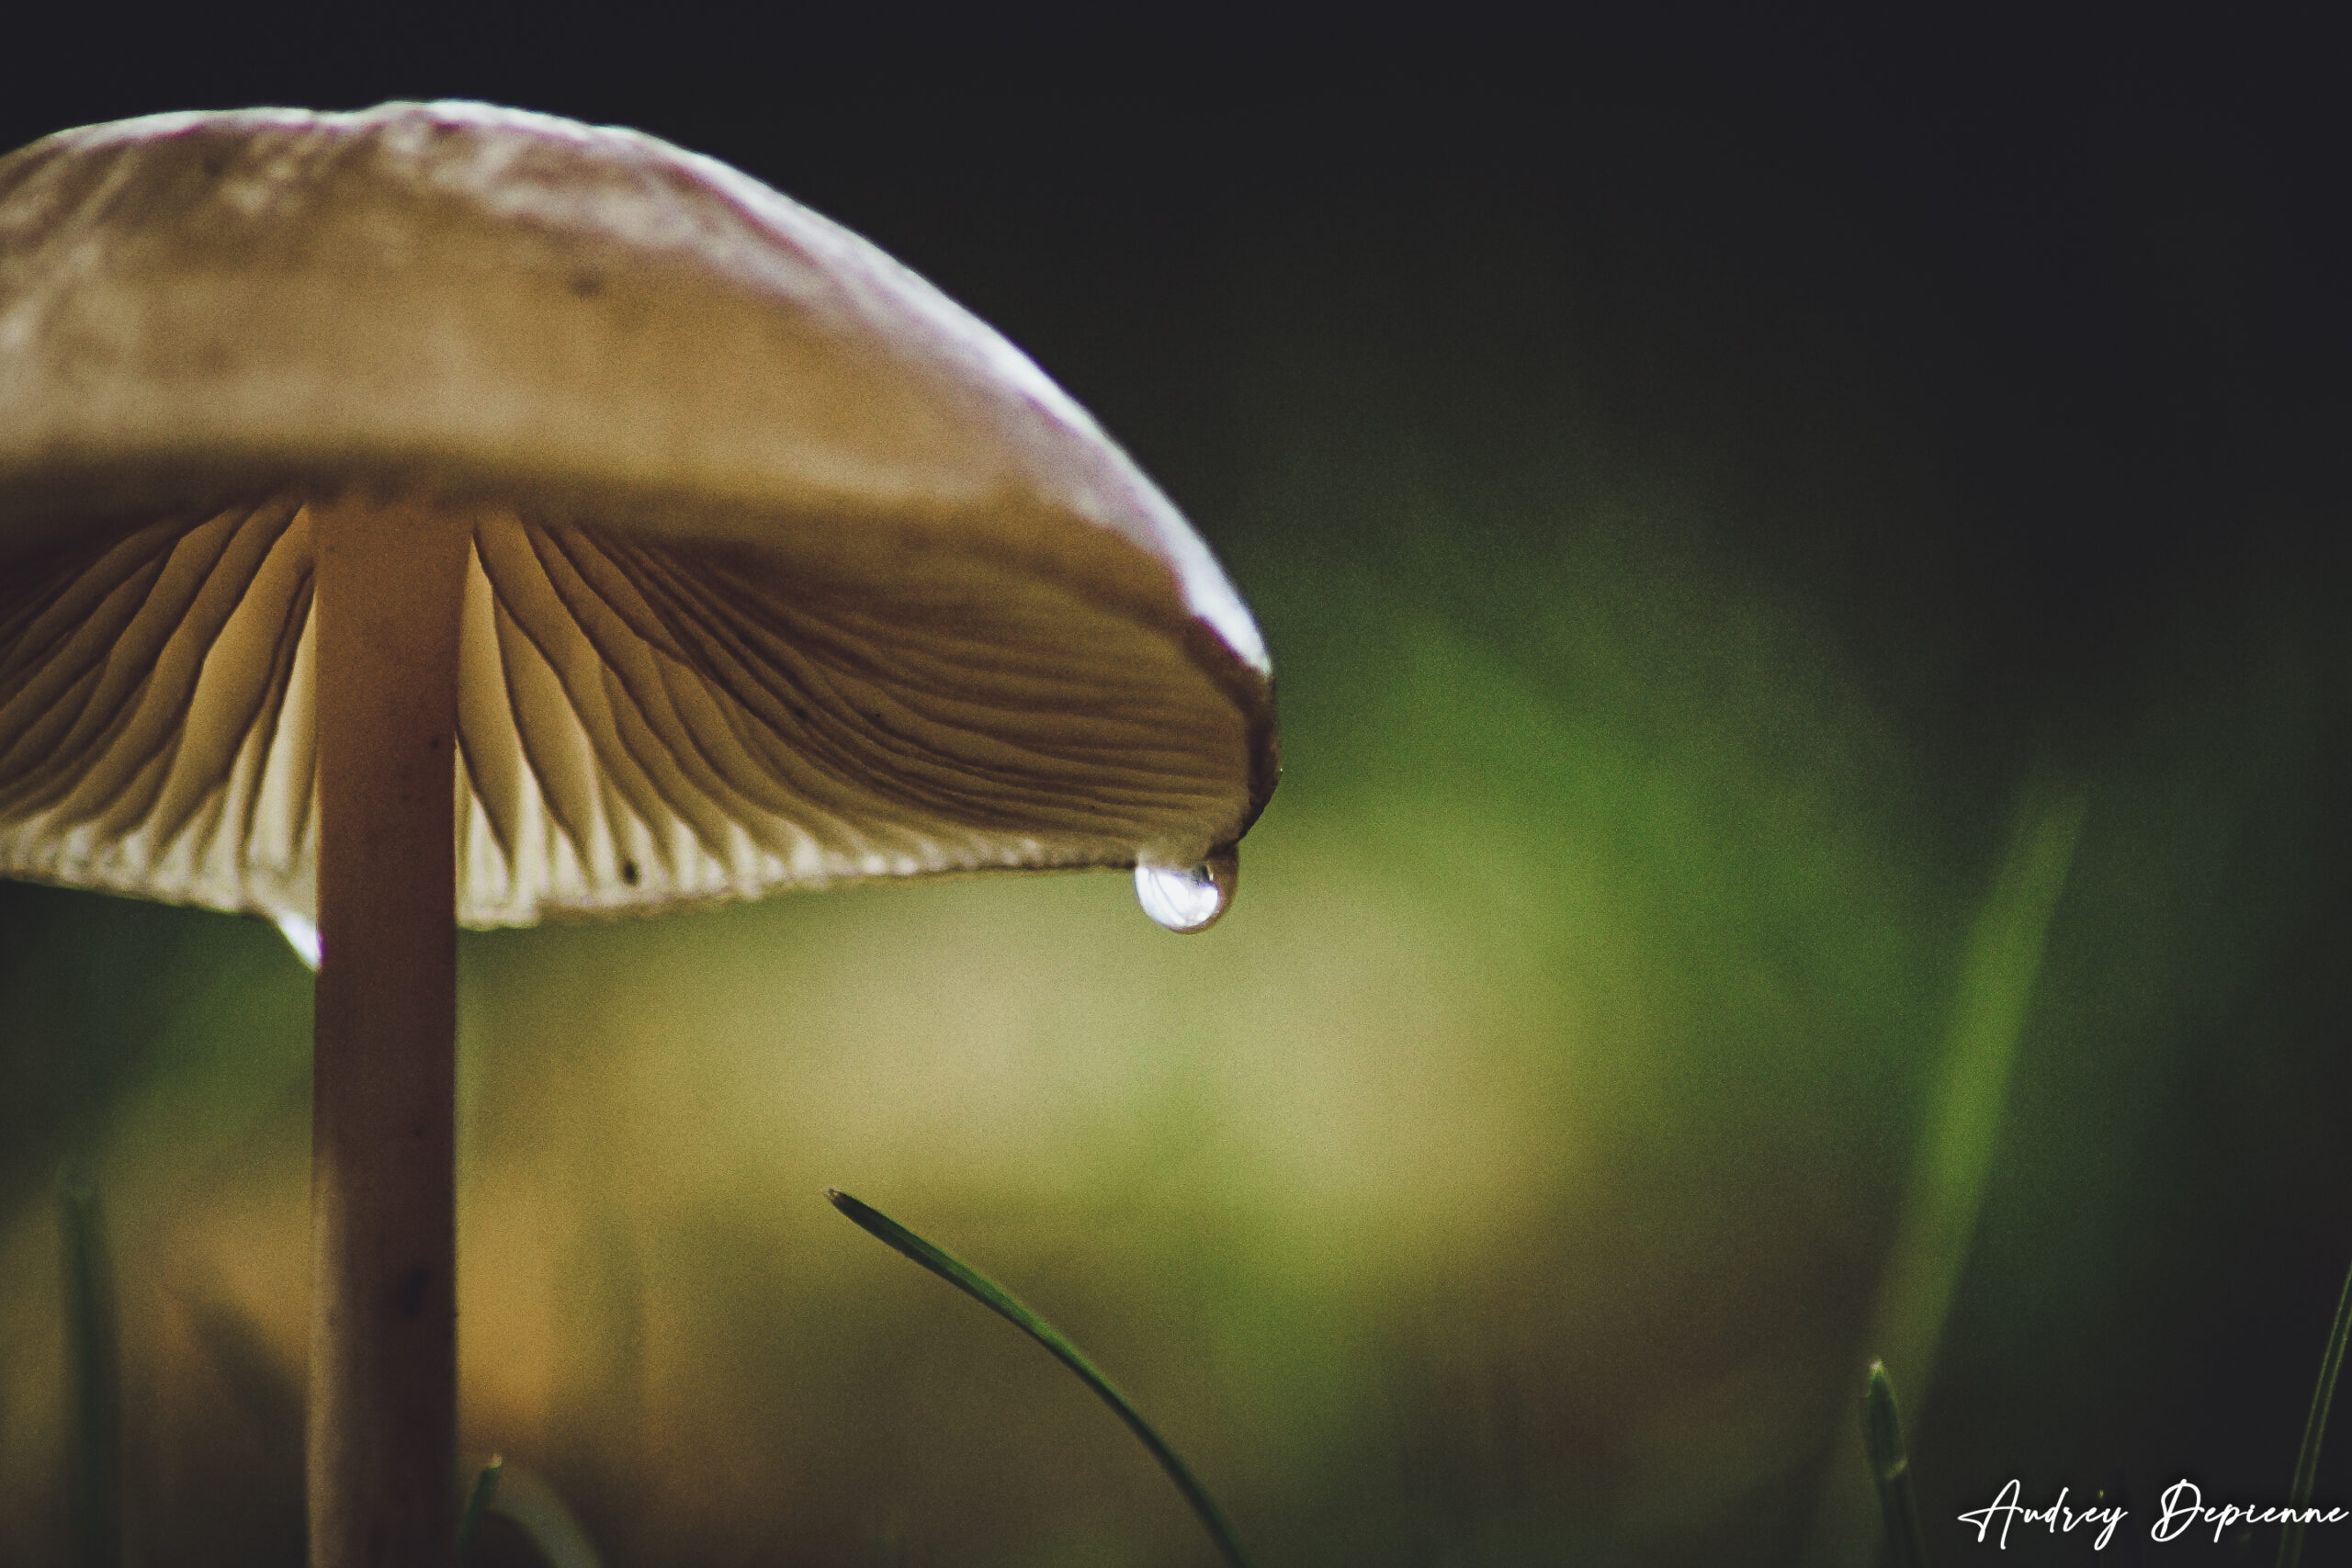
column 356, row 464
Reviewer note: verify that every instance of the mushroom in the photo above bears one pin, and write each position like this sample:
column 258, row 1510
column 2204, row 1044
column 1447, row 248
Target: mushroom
column 449, row 510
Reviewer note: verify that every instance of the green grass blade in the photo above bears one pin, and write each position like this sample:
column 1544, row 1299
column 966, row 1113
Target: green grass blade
column 524, row 1499
column 267, row 1393
column 989, row 1294
column 485, row 1487
column 93, row 1346
column 1906, row 1545
column 2291, row 1543
column 1966, row 1105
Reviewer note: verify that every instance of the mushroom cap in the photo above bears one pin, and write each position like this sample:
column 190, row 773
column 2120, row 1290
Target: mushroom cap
column 786, row 569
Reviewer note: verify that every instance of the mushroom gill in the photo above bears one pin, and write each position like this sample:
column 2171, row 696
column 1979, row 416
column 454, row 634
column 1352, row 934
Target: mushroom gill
column 642, row 721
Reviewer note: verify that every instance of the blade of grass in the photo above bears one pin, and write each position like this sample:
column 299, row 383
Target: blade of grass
column 2331, row 1362
column 526, row 1499
column 91, row 1329
column 478, row 1501
column 267, row 1390
column 1965, row 1106
column 989, row 1294
column 263, row 1386
column 1906, row 1545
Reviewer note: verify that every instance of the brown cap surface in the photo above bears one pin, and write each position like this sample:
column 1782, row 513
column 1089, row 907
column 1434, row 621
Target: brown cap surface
column 787, row 571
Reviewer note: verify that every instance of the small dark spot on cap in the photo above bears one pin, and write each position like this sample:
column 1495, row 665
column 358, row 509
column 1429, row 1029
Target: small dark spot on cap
column 410, row 1295
column 587, row 283
column 629, row 872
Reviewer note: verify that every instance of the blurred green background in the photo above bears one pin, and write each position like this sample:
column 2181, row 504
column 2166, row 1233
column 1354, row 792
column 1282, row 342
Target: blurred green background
column 1806, row 567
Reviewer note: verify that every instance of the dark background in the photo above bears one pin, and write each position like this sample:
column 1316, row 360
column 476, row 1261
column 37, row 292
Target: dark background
column 1819, row 427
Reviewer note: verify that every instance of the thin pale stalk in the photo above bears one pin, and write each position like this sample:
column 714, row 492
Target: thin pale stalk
column 382, row 1419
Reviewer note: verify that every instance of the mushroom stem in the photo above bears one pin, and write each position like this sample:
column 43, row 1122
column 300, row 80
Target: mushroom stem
column 382, row 1428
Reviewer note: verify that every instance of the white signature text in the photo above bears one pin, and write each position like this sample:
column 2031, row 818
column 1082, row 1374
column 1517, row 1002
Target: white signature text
column 2185, row 1509
column 2062, row 1519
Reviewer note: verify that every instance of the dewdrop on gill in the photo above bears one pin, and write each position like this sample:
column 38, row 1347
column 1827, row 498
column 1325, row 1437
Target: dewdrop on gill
column 1188, row 898
column 301, row 936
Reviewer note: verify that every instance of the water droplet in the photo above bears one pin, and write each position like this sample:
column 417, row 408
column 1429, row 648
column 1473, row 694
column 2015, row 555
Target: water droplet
column 1188, row 898
column 301, row 936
